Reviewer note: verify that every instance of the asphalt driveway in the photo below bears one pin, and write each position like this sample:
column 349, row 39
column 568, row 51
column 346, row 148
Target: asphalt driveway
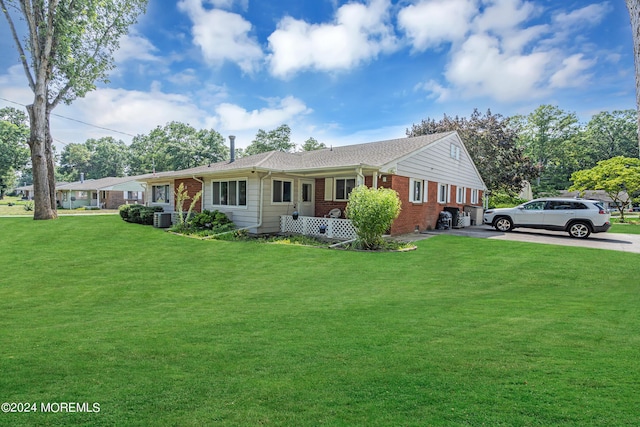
column 610, row 241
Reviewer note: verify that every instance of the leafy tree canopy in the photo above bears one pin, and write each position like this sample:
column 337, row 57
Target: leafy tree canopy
column 619, row 177
column 175, row 146
column 96, row 158
column 549, row 137
column 491, row 142
column 312, row 144
column 278, row 139
column 14, row 152
column 612, row 134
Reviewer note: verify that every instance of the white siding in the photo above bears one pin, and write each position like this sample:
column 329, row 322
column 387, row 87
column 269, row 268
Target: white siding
column 436, row 164
column 272, row 211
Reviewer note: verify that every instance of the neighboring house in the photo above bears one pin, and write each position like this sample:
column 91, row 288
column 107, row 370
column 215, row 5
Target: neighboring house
column 261, row 192
column 598, row 195
column 105, row 193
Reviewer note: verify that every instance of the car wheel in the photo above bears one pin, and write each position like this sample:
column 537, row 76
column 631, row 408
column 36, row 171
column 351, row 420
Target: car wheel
column 503, row 224
column 579, row 230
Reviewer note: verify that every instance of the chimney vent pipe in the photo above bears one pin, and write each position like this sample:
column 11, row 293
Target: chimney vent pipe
column 232, row 148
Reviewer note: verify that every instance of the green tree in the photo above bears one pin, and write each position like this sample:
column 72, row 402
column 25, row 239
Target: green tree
column 278, row 139
column 491, row 142
column 312, row 144
column 108, row 157
column 612, row 134
column 96, row 158
column 14, row 152
column 619, row 177
column 75, row 159
column 551, row 137
column 175, row 146
column 69, row 46
column 372, row 212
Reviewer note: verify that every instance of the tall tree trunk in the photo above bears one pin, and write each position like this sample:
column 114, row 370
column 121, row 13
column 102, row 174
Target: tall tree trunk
column 42, row 160
column 634, row 14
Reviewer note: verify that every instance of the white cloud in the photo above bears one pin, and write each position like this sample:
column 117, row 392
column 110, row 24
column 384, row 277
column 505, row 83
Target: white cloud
column 586, row 16
column 233, row 117
column 504, row 15
column 14, row 86
column 571, row 74
column 128, row 111
column 495, row 52
column 135, row 47
column 429, row 23
column 228, row 4
column 479, row 68
column 436, row 90
column 358, row 33
column 223, row 36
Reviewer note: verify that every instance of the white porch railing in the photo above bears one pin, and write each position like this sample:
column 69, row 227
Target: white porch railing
column 311, row 226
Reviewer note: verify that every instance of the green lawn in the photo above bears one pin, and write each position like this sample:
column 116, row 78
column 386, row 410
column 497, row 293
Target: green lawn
column 169, row 331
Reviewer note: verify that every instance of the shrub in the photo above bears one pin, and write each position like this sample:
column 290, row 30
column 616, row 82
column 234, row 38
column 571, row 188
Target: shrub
column 504, row 200
column 139, row 214
column 28, row 206
column 372, row 211
column 208, row 220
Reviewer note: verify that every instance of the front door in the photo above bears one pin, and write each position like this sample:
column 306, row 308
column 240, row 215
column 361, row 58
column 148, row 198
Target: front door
column 306, row 205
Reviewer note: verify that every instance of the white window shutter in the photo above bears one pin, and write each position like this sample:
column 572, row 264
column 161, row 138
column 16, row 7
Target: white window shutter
column 328, row 189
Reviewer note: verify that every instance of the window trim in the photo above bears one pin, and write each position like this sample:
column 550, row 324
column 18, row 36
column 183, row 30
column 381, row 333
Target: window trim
column 412, row 183
column 454, row 152
column 311, row 191
column 282, row 180
column 335, row 187
column 474, row 196
column 446, row 193
column 168, row 194
column 461, row 191
column 236, row 180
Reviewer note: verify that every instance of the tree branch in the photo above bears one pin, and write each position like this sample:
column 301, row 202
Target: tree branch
column 23, row 57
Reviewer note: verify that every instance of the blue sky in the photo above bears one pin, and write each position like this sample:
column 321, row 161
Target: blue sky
column 348, row 72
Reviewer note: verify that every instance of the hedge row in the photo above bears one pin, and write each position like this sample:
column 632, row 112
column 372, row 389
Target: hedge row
column 139, row 214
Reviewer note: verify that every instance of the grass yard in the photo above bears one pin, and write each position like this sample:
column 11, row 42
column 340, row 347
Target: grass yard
column 169, row 331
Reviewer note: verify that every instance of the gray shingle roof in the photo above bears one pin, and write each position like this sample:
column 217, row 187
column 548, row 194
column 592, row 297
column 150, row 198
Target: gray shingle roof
column 375, row 154
column 98, row 184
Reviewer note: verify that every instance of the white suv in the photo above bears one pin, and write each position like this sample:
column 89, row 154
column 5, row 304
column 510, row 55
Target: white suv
column 578, row 217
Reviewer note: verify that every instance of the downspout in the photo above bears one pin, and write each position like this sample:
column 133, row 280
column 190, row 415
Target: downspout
column 360, row 174
column 261, row 199
column 146, row 193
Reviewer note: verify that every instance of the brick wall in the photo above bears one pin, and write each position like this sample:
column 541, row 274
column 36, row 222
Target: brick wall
column 114, row 199
column 423, row 215
column 192, row 186
column 324, row 206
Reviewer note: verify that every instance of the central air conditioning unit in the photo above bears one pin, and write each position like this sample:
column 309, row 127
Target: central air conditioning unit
column 162, row 219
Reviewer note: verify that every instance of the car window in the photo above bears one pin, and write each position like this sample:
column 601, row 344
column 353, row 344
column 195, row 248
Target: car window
column 559, row 205
column 578, row 205
column 535, row 206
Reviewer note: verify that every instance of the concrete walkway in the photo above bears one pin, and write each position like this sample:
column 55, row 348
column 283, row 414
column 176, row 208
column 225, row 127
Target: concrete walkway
column 609, row 241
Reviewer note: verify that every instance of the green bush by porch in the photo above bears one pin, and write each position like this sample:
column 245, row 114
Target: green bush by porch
column 372, row 211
